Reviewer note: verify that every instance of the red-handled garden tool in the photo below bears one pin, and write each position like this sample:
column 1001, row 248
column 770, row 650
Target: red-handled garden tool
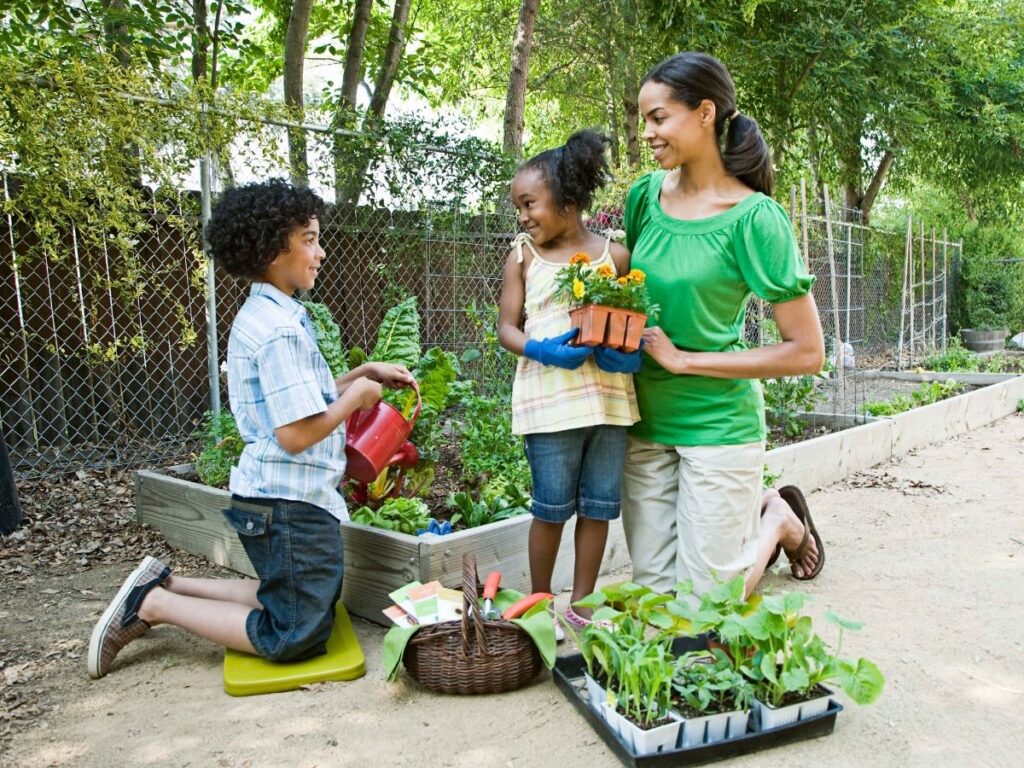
column 489, row 612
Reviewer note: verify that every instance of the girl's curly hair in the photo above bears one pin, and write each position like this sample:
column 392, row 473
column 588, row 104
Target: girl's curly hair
column 249, row 225
column 574, row 171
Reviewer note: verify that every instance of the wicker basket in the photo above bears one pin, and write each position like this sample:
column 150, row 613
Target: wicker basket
column 487, row 657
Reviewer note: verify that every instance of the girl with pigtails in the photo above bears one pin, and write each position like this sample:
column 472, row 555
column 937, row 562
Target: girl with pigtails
column 572, row 403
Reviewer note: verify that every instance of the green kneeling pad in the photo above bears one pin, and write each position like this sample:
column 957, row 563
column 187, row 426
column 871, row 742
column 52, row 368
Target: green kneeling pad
column 245, row 674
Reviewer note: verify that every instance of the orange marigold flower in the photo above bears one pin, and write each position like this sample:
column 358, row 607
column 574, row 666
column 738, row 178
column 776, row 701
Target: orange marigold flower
column 579, row 258
column 623, row 281
column 636, row 275
column 605, row 271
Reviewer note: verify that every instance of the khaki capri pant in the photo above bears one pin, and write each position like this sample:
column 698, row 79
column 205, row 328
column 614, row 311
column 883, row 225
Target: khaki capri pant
column 691, row 512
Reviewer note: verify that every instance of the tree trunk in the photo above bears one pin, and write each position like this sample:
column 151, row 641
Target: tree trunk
column 353, row 187
column 392, row 58
column 294, row 63
column 515, row 98
column 200, row 42
column 868, row 201
column 345, row 113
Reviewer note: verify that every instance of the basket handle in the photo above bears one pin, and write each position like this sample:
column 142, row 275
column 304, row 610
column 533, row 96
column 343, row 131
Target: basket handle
column 471, row 607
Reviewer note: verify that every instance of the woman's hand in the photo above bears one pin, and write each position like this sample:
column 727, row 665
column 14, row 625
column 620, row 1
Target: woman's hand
column 660, row 347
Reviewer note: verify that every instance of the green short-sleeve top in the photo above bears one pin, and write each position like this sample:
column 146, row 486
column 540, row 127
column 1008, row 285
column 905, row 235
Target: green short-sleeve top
column 702, row 272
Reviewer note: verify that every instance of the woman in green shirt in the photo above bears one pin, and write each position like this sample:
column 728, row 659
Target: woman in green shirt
column 707, row 234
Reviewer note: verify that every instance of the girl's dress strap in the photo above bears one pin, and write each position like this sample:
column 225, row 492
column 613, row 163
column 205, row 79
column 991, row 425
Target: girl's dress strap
column 523, row 238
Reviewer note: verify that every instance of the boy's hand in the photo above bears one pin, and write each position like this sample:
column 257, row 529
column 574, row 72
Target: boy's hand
column 365, row 391
column 390, row 375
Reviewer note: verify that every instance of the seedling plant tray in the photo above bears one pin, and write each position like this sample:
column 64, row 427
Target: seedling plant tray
column 568, row 673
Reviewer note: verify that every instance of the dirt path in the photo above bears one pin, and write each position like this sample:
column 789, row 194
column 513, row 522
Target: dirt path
column 927, row 551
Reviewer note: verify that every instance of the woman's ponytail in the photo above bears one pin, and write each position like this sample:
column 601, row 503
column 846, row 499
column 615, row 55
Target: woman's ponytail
column 746, row 155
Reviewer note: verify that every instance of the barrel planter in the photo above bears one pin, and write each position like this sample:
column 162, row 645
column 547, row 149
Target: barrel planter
column 984, row 341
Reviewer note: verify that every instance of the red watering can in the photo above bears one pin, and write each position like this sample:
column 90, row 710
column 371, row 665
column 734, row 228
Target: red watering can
column 377, row 438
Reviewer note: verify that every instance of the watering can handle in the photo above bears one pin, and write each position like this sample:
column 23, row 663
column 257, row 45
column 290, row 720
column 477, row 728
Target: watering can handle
column 419, row 402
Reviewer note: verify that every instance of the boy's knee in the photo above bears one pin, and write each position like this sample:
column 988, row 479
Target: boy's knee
column 303, row 641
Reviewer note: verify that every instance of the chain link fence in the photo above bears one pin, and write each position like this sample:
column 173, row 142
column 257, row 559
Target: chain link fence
column 105, row 358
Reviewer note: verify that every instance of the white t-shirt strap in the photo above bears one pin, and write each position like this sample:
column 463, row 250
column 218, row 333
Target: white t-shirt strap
column 523, row 238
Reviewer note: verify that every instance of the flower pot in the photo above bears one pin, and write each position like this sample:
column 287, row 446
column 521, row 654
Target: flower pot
column 615, row 720
column 642, row 741
column 651, row 740
column 766, row 716
column 707, row 729
column 984, row 341
column 595, row 692
column 608, row 326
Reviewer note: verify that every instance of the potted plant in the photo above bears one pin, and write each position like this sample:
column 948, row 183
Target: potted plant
column 711, row 697
column 639, row 690
column 988, row 331
column 608, row 309
column 791, row 664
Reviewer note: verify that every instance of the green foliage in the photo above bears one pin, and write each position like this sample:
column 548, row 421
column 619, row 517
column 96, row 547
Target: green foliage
column 1020, row 406
column 790, row 658
column 787, row 396
column 489, row 449
column 956, row 358
column 990, row 289
column 927, row 393
column 398, row 338
column 222, row 447
column 328, row 338
column 711, row 684
column 579, row 284
column 510, row 502
column 404, row 515
column 768, row 648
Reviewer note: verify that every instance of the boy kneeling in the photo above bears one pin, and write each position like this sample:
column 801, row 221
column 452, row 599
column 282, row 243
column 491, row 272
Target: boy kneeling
column 291, row 413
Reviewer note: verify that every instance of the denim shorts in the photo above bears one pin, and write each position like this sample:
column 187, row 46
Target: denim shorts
column 297, row 552
column 577, row 471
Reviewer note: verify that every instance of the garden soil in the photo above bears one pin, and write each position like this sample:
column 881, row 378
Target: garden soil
column 928, row 551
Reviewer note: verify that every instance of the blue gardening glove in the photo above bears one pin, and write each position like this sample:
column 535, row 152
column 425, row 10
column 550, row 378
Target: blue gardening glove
column 613, row 361
column 557, row 351
column 441, row 529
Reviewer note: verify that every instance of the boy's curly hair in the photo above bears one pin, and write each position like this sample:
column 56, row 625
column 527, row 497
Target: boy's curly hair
column 250, row 224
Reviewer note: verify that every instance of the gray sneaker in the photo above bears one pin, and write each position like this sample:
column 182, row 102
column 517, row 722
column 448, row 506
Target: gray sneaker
column 120, row 622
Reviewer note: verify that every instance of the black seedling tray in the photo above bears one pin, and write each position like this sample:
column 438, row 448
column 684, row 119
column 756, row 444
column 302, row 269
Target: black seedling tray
column 568, row 672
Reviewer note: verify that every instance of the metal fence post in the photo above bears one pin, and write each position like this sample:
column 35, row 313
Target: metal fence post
column 10, row 508
column 212, row 355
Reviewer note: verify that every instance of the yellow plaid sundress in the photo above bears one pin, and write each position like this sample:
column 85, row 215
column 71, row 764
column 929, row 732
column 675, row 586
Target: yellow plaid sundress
column 546, row 398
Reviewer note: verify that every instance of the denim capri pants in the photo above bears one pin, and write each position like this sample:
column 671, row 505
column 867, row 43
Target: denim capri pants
column 577, row 471
column 297, row 552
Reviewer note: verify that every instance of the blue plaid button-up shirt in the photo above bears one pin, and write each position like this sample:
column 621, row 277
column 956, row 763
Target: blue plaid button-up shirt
column 276, row 375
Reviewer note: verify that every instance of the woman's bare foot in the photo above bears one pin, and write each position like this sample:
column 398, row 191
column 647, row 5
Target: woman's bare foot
column 779, row 516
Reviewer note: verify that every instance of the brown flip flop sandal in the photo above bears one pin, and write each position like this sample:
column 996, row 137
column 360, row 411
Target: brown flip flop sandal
column 795, row 498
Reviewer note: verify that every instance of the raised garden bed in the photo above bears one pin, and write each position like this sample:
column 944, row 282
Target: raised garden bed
column 376, row 561
column 379, row 561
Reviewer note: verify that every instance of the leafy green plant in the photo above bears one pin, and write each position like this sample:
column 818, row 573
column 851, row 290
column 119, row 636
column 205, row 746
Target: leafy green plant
column 328, row 337
column 1020, row 406
column 398, row 338
column 956, row 358
column 402, row 514
column 579, row 283
column 787, row 396
column 489, row 449
column 927, row 393
column 222, row 447
column 710, row 684
column 473, row 513
column 790, row 660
